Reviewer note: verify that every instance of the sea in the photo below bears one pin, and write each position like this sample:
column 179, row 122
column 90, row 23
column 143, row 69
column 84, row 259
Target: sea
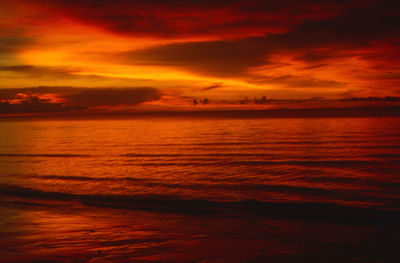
column 160, row 188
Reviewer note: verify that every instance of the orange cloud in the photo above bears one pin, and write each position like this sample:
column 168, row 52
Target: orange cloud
column 280, row 49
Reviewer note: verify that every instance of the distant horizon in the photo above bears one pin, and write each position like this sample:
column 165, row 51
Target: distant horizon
column 72, row 100
column 323, row 112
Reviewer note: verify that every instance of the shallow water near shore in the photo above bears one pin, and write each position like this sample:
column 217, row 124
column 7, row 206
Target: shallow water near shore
column 182, row 189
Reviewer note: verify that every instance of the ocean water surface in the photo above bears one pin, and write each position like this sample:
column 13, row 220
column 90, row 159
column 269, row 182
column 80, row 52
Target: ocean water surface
column 198, row 189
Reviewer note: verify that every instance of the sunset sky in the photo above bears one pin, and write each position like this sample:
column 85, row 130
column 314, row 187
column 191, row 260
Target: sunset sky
column 167, row 53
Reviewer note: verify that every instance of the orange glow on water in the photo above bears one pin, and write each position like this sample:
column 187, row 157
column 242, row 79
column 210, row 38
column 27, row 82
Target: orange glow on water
column 184, row 188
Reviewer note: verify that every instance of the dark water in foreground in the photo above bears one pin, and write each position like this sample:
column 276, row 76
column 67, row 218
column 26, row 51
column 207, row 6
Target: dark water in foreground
column 184, row 189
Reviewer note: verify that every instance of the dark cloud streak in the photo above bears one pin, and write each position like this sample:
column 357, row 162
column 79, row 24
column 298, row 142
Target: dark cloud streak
column 313, row 42
column 178, row 18
column 27, row 100
column 95, row 97
column 215, row 86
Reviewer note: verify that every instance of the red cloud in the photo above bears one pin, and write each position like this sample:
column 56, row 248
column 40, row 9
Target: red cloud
column 181, row 18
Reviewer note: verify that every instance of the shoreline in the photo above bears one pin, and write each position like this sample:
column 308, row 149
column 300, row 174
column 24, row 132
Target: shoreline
column 391, row 111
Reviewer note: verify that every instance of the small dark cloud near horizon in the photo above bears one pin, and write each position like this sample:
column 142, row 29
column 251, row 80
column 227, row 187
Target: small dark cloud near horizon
column 215, row 86
column 39, row 99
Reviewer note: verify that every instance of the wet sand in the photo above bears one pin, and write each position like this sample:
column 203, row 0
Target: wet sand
column 61, row 232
